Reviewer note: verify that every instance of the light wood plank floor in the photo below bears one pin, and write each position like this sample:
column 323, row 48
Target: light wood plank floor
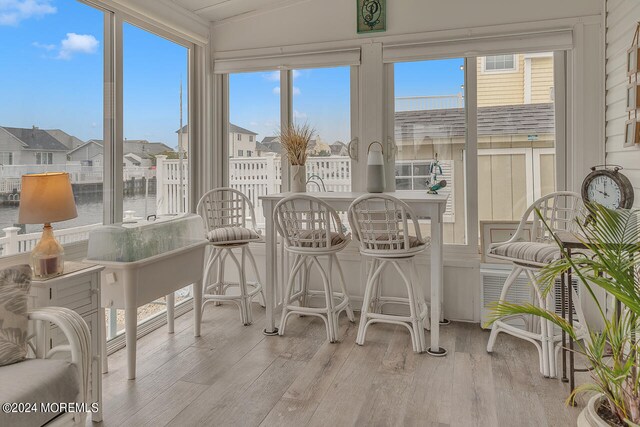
column 235, row 376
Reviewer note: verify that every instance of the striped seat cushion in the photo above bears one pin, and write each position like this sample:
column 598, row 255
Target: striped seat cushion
column 413, row 243
column 226, row 235
column 306, row 237
column 528, row 252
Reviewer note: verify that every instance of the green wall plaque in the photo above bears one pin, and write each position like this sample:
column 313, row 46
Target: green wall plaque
column 372, row 16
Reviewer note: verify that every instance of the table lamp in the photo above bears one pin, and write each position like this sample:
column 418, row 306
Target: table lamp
column 46, row 198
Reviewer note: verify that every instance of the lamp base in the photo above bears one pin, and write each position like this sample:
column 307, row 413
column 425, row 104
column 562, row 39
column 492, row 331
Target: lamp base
column 47, row 258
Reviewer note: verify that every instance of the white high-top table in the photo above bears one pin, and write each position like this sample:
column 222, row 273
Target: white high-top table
column 431, row 206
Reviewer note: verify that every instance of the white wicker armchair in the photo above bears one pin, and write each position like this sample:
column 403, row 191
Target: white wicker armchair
column 41, row 379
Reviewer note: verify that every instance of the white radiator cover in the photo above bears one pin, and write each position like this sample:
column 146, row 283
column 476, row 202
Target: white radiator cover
column 492, row 278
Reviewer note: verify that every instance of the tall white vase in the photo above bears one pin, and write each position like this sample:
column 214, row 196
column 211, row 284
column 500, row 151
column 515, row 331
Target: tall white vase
column 298, row 178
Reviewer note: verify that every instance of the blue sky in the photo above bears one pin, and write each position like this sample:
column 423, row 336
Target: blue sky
column 52, row 72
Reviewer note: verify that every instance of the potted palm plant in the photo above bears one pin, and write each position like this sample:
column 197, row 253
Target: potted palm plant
column 295, row 140
column 612, row 238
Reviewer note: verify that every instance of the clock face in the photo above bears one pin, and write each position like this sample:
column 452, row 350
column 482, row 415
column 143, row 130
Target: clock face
column 604, row 190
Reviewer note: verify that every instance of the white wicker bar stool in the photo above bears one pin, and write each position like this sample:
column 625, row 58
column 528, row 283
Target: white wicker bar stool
column 529, row 252
column 382, row 224
column 311, row 229
column 225, row 212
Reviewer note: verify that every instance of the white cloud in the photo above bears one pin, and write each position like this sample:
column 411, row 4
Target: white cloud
column 276, row 90
column 299, row 115
column 12, row 12
column 47, row 47
column 77, row 43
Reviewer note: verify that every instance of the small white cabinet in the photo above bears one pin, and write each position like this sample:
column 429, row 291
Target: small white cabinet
column 78, row 288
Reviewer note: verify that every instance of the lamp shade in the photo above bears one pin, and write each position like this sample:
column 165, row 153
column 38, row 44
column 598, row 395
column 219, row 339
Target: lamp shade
column 46, row 198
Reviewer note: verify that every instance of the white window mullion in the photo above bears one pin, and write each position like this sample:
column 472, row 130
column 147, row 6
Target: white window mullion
column 471, row 156
column 113, row 116
column 286, row 117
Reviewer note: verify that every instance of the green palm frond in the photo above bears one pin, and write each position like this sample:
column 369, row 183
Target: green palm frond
column 612, row 241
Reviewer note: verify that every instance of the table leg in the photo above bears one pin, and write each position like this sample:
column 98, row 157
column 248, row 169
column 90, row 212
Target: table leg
column 271, row 267
column 103, row 340
column 130, row 330
column 171, row 314
column 130, row 323
column 572, row 379
column 197, row 291
column 436, row 281
column 563, row 302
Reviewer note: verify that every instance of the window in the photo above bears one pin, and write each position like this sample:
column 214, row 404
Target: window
column 322, row 99
column 44, row 158
column 500, row 63
column 516, row 138
column 156, row 162
column 6, row 158
column 155, row 148
column 55, row 82
column 430, row 135
column 239, row 137
column 249, row 153
column 254, row 105
column 250, row 138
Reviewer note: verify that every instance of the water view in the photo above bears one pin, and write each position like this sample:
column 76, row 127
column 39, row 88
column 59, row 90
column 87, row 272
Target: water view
column 88, row 213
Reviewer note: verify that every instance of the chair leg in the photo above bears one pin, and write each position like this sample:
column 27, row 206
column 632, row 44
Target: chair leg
column 377, row 291
column 243, row 284
column 343, row 286
column 374, row 271
column 298, row 261
column 495, row 330
column 328, row 297
column 416, row 323
column 243, row 301
column 255, row 271
column 544, row 336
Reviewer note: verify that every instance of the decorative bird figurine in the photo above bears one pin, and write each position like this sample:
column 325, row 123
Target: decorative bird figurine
column 433, row 185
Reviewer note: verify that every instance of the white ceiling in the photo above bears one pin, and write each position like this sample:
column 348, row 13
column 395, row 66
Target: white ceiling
column 217, row 10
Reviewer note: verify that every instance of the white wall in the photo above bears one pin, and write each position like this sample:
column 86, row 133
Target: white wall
column 334, row 20
column 622, row 17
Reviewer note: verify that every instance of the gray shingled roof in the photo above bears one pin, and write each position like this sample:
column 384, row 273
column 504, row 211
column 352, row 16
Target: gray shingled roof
column 269, row 144
column 37, row 139
column 527, row 119
column 141, row 146
column 237, row 129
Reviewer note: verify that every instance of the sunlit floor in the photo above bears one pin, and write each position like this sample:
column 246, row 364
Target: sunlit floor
column 234, row 375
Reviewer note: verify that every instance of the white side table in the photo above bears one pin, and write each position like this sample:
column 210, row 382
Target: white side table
column 78, row 288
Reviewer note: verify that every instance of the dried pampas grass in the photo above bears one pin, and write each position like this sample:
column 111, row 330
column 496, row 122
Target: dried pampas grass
column 295, row 141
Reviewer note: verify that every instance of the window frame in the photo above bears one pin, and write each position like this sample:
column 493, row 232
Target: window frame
column 514, row 69
column 471, row 152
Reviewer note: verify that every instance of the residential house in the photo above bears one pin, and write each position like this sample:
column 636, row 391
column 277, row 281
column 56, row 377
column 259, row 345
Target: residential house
column 90, row 153
column 269, row 144
column 242, row 142
column 339, row 148
column 32, row 146
column 67, row 140
column 136, row 152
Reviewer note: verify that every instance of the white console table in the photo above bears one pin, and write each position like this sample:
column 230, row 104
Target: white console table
column 78, row 288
